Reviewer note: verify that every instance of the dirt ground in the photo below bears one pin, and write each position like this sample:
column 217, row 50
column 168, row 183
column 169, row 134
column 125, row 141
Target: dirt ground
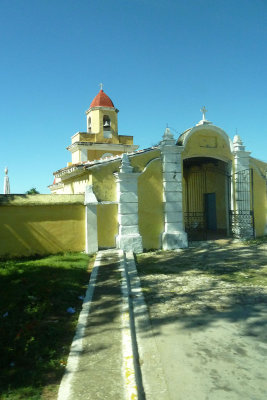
column 208, row 309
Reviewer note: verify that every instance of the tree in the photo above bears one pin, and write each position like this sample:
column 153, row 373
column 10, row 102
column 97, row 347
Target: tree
column 32, row 191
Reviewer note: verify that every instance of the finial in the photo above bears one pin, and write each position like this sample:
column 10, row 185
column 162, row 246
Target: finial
column 238, row 143
column 203, row 110
column 167, row 134
column 101, row 86
column 6, row 182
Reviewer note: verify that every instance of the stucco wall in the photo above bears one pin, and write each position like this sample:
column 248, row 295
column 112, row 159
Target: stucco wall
column 150, row 205
column 107, row 225
column 104, row 183
column 260, row 202
column 41, row 224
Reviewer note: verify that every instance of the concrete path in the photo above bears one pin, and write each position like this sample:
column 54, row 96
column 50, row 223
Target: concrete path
column 212, row 363
column 109, row 357
column 100, row 364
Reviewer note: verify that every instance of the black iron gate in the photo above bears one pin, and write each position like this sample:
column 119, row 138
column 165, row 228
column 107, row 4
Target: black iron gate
column 196, row 215
column 241, row 213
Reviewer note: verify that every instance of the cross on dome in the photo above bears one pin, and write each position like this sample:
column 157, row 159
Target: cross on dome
column 101, row 86
column 203, row 110
column 203, row 121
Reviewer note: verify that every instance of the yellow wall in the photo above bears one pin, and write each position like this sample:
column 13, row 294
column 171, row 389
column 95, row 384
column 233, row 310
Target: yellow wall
column 104, row 183
column 107, row 225
column 123, row 139
column 76, row 185
column 260, row 203
column 140, row 161
column 151, row 220
column 83, row 137
column 40, row 229
column 93, row 138
column 97, row 154
column 95, row 121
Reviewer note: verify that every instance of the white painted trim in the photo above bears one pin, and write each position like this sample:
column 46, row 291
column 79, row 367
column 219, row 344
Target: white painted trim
column 128, row 370
column 102, row 109
column 91, row 240
column 128, row 238
column 149, row 163
column 153, row 379
column 102, row 146
column 174, row 236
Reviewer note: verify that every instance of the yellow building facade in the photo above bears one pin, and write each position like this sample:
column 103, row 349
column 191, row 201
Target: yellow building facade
column 199, row 186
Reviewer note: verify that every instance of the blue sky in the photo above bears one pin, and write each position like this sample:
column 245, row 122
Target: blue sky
column 159, row 61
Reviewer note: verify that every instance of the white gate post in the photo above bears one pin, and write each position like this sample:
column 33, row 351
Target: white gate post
column 243, row 227
column 129, row 238
column 90, row 202
column 174, row 235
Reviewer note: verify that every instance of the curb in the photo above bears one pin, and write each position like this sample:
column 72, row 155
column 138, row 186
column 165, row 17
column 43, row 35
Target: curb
column 64, row 392
column 148, row 362
column 128, row 365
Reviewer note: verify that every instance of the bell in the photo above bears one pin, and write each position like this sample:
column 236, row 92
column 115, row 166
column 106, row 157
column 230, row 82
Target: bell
column 106, row 124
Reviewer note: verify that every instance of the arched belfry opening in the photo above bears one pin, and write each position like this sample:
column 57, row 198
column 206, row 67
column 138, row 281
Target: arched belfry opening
column 107, row 127
column 206, row 198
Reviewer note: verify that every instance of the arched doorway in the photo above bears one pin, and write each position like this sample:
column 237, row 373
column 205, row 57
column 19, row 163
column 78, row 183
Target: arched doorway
column 206, row 198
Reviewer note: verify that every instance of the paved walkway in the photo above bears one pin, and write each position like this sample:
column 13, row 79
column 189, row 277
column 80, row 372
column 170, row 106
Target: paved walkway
column 109, row 358
column 95, row 366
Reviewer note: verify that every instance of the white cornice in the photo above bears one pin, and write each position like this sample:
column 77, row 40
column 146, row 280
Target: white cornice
column 102, row 146
column 79, row 169
column 101, row 108
column 56, row 186
column 70, row 172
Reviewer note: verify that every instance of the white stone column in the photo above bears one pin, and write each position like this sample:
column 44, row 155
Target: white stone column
column 90, row 202
column 129, row 238
column 174, row 235
column 242, row 224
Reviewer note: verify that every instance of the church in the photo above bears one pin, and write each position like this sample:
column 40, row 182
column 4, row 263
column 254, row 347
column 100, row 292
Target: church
column 199, row 186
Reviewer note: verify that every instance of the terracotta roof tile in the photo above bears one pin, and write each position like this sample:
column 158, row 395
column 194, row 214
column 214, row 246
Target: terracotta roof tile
column 102, row 100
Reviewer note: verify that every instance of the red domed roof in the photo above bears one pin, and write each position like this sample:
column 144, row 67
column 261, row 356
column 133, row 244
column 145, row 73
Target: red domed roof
column 101, row 100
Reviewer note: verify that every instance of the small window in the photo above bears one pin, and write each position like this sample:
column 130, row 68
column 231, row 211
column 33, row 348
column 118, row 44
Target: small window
column 89, row 125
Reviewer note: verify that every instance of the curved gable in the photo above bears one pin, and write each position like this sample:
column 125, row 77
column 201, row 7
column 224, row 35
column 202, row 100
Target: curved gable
column 206, row 141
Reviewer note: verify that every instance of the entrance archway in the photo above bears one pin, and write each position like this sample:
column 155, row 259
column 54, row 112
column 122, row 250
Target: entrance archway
column 206, row 198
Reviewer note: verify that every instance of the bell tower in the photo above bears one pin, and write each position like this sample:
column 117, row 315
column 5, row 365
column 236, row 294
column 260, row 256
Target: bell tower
column 102, row 119
column 101, row 139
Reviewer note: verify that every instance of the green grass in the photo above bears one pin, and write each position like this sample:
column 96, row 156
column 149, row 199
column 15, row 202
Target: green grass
column 35, row 328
